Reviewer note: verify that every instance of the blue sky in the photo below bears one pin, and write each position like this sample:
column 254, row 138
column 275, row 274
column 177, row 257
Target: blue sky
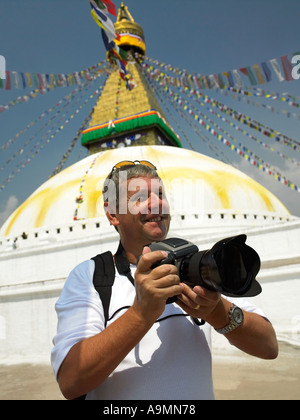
column 201, row 36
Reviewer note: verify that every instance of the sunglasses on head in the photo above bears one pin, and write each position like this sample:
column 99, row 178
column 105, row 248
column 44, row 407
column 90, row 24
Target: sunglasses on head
column 124, row 163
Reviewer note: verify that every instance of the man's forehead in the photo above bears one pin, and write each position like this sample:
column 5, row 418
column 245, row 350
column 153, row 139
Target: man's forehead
column 148, row 181
column 145, row 185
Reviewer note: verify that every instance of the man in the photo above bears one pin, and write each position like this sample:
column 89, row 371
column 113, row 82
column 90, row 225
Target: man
column 149, row 349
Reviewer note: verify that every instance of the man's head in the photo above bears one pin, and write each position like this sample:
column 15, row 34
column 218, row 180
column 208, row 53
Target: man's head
column 135, row 201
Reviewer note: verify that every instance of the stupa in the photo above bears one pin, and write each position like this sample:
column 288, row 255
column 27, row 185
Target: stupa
column 62, row 223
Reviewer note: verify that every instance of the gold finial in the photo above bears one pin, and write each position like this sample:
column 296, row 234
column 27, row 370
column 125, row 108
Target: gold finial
column 124, row 14
column 131, row 33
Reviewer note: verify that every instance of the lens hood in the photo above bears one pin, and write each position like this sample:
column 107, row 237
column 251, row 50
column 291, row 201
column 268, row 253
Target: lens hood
column 230, row 266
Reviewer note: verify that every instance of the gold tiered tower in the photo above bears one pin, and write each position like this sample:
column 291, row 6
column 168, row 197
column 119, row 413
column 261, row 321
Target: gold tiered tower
column 124, row 117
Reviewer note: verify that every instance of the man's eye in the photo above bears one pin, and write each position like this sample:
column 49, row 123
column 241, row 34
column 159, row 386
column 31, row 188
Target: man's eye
column 142, row 197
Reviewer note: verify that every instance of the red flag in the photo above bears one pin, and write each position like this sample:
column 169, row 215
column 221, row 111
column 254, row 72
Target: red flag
column 8, row 82
column 110, row 7
column 287, row 68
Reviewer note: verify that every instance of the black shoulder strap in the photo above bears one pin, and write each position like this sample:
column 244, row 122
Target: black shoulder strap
column 104, row 274
column 104, row 277
column 122, row 263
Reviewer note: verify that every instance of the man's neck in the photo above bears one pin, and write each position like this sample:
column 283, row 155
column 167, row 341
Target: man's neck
column 132, row 252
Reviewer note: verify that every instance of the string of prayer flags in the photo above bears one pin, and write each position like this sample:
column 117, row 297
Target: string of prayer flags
column 283, row 68
column 215, row 129
column 267, row 131
column 44, row 82
column 79, row 200
column 234, row 85
column 46, row 139
column 240, row 150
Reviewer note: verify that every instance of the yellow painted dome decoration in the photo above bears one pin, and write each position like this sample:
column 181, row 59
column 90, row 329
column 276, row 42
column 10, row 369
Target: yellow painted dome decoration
column 195, row 184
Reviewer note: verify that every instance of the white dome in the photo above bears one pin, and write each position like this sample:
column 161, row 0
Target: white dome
column 194, row 184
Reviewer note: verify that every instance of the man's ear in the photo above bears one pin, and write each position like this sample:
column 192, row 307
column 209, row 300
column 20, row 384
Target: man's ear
column 112, row 217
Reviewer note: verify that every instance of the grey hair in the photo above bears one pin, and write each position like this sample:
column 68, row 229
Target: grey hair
column 110, row 191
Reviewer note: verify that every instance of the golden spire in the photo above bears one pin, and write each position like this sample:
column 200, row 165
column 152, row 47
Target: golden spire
column 131, row 33
column 125, row 117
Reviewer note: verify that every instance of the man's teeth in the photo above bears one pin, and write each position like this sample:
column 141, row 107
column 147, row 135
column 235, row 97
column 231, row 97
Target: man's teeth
column 155, row 219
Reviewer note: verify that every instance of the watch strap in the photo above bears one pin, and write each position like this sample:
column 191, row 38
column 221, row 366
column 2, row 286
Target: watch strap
column 232, row 323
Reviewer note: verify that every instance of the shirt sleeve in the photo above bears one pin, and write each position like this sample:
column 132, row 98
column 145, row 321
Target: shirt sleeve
column 79, row 311
column 246, row 305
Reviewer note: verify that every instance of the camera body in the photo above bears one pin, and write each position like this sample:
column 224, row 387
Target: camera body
column 229, row 267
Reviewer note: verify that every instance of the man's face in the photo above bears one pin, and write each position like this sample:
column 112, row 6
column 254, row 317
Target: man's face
column 144, row 213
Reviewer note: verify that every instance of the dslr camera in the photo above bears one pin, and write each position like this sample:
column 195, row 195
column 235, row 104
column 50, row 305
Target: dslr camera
column 229, row 267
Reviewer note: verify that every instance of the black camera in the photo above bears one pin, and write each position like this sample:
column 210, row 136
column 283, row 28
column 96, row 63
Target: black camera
column 229, row 267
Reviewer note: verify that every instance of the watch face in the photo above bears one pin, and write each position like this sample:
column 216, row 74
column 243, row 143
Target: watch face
column 238, row 315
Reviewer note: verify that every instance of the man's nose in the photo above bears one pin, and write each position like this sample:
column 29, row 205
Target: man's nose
column 154, row 203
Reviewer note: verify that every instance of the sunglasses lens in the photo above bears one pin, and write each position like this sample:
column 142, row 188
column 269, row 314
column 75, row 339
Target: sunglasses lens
column 146, row 163
column 136, row 162
column 124, row 163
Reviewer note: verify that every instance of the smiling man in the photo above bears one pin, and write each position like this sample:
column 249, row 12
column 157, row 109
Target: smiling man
column 136, row 205
column 148, row 350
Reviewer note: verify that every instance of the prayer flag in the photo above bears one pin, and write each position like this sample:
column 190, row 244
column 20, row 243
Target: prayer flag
column 275, row 65
column 259, row 74
column 110, row 7
column 106, row 4
column 23, row 80
column 267, row 71
column 238, row 79
column 287, row 68
column 108, row 45
column 221, row 81
column 41, row 84
column 247, row 72
column 8, row 82
column 229, row 76
column 213, row 81
column 16, row 79
column 29, row 79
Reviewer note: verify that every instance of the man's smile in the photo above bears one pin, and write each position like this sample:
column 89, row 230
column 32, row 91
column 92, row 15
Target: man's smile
column 154, row 219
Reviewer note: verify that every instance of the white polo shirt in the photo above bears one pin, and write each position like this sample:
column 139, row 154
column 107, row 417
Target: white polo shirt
column 171, row 362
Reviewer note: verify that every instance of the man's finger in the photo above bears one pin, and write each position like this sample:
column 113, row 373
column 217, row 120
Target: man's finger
column 149, row 258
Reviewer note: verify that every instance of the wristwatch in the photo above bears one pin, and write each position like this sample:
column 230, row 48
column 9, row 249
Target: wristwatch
column 236, row 318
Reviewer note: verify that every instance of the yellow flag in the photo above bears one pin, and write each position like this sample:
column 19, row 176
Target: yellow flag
column 93, row 13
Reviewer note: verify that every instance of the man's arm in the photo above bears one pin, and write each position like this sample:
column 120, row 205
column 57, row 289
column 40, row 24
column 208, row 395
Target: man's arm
column 92, row 360
column 256, row 336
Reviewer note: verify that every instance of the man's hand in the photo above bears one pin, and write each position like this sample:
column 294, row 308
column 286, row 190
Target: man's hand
column 198, row 302
column 256, row 336
column 154, row 287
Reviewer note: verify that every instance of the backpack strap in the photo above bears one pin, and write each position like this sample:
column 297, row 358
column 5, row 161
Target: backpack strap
column 104, row 275
column 122, row 263
column 103, row 279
